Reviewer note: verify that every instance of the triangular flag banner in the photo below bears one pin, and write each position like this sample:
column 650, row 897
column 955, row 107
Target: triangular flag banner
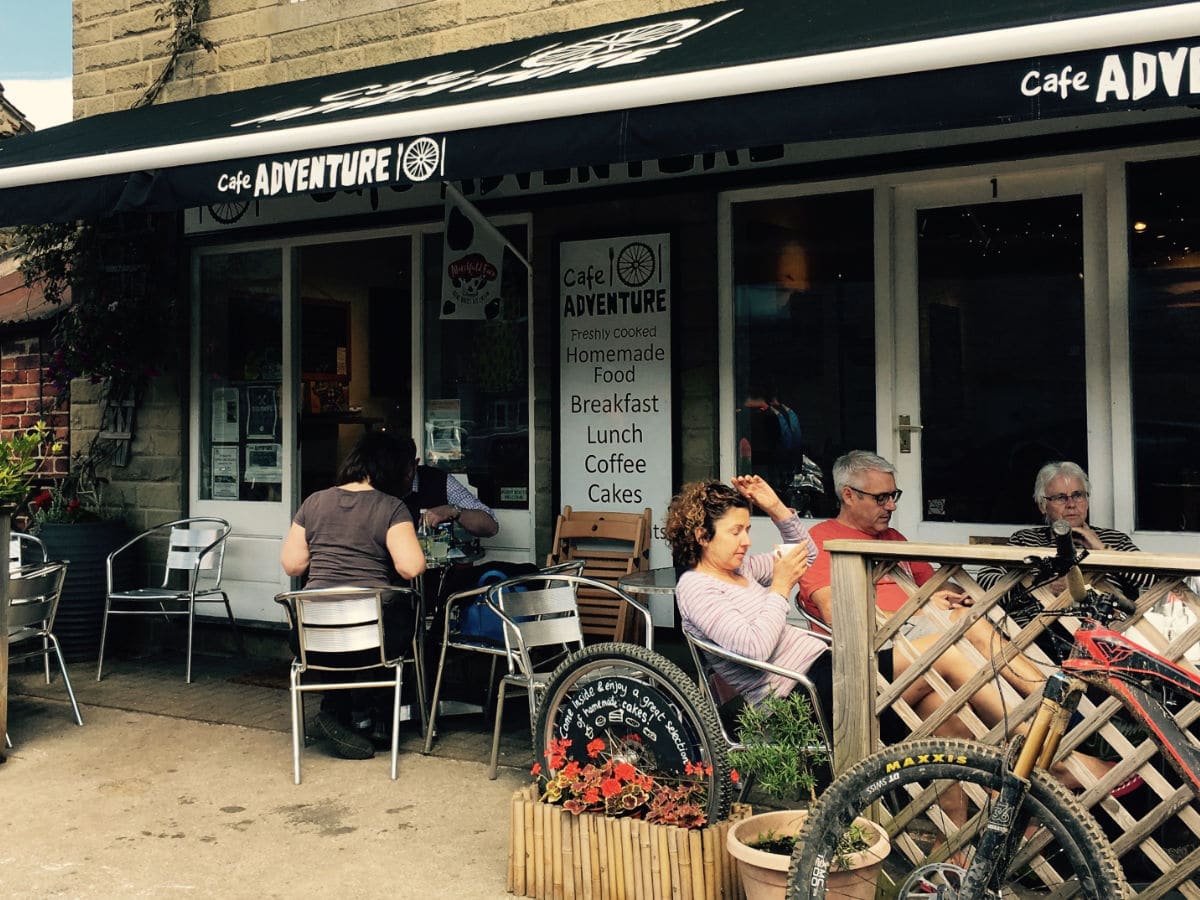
column 472, row 261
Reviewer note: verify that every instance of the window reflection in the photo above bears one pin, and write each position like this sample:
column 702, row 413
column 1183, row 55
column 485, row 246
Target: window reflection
column 241, row 375
column 476, row 398
column 1000, row 290
column 804, row 340
column 1164, row 326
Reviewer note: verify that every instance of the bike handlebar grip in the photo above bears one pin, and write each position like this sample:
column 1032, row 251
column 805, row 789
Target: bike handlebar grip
column 1125, row 603
column 1063, row 543
column 1075, row 584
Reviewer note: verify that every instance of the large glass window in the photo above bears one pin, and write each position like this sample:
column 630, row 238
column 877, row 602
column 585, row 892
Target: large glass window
column 355, row 340
column 1000, row 289
column 1164, row 328
column 476, row 403
column 804, row 340
column 241, row 376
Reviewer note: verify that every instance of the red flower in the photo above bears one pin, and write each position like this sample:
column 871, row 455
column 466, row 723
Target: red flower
column 536, row 770
column 625, row 771
column 734, row 776
column 591, row 795
column 610, row 787
column 571, row 770
column 595, row 747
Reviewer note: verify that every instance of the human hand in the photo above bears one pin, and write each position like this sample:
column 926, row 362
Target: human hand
column 789, row 566
column 1088, row 537
column 761, row 494
column 952, row 598
column 436, row 515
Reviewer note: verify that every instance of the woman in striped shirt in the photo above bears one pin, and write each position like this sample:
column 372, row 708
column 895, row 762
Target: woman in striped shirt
column 1061, row 491
column 736, row 598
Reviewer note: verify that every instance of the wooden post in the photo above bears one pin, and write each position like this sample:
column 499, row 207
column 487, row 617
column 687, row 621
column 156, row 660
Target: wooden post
column 855, row 728
column 5, row 534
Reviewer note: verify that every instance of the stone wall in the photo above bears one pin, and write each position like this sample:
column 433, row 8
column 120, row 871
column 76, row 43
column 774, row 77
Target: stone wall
column 151, row 488
column 120, row 45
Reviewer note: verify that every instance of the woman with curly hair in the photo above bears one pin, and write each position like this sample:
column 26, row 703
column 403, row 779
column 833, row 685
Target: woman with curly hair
column 735, row 598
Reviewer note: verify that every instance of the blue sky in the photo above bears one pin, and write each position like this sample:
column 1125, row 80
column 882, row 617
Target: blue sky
column 35, row 58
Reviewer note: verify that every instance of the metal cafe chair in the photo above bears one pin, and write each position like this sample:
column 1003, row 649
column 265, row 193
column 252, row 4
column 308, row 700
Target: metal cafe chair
column 340, row 621
column 33, row 595
column 459, row 635
column 195, row 555
column 716, row 691
column 24, row 549
column 542, row 616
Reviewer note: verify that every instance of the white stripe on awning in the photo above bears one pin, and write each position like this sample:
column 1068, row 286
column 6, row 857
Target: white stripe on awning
column 999, row 45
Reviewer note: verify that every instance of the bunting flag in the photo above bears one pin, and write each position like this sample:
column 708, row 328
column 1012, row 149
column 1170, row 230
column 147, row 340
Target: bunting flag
column 473, row 253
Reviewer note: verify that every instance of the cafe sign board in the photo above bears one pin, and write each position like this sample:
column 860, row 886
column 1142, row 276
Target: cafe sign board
column 615, row 376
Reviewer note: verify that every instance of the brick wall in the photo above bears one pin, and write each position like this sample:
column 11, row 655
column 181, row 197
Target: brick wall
column 27, row 395
column 119, row 45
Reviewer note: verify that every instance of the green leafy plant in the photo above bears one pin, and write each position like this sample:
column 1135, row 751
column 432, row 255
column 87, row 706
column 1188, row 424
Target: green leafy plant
column 610, row 784
column 20, row 458
column 855, row 839
column 782, row 746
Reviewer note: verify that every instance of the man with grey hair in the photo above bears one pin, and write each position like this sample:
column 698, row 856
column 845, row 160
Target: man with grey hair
column 866, row 487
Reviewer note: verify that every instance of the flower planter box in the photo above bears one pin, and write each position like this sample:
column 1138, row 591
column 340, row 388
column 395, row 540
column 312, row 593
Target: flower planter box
column 554, row 854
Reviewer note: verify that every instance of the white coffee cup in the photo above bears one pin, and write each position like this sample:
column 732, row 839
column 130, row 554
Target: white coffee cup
column 782, row 549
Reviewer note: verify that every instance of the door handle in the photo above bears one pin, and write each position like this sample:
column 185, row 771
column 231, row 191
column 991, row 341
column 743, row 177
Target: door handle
column 906, row 428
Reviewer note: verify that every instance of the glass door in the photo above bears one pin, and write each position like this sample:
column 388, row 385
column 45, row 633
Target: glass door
column 999, row 348
column 242, row 426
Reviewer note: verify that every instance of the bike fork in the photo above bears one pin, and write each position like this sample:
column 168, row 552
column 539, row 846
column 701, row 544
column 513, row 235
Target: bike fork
column 1000, row 835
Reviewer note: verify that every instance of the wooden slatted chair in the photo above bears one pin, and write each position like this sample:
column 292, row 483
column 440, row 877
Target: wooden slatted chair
column 610, row 544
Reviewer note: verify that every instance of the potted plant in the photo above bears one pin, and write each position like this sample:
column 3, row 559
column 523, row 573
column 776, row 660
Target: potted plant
column 70, row 520
column 781, row 751
column 606, row 824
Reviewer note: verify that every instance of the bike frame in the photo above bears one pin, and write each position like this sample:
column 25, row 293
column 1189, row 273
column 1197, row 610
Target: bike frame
column 1129, row 672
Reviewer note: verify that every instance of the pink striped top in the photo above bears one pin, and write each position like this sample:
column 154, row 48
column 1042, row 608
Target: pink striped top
column 750, row 620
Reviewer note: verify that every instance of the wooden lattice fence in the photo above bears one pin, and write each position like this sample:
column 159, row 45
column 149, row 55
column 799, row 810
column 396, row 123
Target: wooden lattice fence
column 1155, row 831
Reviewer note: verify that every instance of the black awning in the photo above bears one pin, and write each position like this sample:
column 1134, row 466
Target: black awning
column 723, row 76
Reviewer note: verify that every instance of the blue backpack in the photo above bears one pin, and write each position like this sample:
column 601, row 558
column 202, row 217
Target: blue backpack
column 476, row 619
column 789, row 429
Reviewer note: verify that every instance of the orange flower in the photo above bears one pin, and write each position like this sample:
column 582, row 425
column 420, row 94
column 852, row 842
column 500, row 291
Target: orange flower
column 595, row 747
column 625, row 771
column 536, row 770
column 610, row 787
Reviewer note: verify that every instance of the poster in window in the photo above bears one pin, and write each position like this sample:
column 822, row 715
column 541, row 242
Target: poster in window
column 262, row 417
column 264, row 464
column 225, row 472
column 226, row 414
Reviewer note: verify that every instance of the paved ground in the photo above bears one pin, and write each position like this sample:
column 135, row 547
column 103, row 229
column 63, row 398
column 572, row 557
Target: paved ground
column 172, row 789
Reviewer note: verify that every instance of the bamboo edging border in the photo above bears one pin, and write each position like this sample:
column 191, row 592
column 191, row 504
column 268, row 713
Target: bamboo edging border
column 553, row 855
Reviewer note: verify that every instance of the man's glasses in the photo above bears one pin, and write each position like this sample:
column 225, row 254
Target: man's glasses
column 1076, row 496
column 881, row 499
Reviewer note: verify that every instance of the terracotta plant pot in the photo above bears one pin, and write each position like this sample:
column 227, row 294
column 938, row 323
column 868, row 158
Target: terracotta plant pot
column 764, row 875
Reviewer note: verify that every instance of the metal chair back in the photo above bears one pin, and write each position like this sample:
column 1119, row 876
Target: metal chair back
column 25, row 549
column 704, row 651
column 333, row 621
column 33, row 595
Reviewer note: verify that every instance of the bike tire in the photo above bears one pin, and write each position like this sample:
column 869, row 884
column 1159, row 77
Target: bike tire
column 671, row 707
column 1079, row 849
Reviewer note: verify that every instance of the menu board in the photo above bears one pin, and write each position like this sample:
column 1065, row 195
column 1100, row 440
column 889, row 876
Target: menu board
column 615, row 377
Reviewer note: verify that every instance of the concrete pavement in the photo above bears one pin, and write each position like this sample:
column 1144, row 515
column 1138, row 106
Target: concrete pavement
column 186, row 790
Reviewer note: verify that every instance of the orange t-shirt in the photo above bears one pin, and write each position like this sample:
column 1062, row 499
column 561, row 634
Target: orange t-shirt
column 889, row 596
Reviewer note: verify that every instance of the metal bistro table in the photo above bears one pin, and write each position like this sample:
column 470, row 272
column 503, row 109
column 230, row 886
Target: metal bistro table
column 655, row 588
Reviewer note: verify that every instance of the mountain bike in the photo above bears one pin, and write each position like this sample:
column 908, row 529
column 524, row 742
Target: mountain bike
column 1019, row 831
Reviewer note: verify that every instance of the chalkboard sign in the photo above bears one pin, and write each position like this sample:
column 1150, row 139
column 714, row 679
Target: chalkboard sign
column 325, row 340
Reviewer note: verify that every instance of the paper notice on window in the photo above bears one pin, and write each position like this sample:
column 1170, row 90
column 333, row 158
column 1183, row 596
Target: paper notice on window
column 225, row 473
column 226, row 414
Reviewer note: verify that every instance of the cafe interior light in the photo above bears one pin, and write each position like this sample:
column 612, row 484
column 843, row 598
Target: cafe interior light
column 1139, row 227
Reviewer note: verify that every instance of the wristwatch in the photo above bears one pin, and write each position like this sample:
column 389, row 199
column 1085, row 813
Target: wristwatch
column 457, row 511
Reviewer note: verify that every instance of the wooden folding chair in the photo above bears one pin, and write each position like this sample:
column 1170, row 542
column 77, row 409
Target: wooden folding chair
column 610, row 544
